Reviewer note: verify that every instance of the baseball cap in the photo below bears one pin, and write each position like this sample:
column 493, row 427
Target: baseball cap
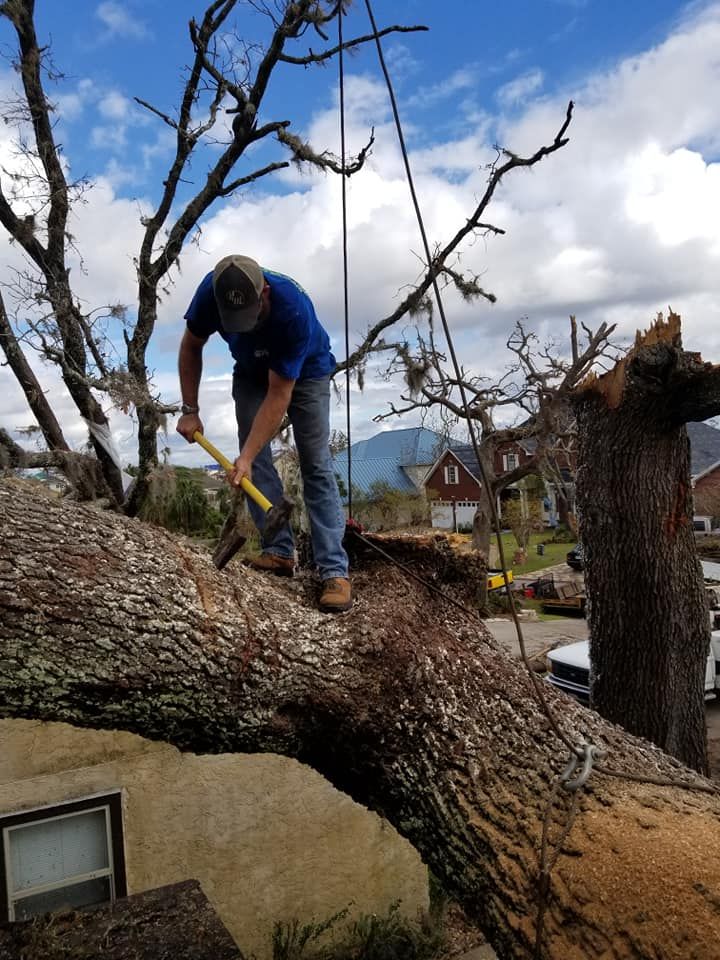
column 237, row 284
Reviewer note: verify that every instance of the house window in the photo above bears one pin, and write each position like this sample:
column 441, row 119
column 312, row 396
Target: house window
column 451, row 474
column 62, row 857
column 510, row 461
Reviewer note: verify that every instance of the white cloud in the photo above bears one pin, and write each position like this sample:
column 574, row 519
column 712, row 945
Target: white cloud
column 121, row 119
column 619, row 224
column 109, row 137
column 464, row 78
column 119, row 176
column 677, row 194
column 119, row 22
column 70, row 104
column 401, row 62
column 114, row 106
column 520, row 89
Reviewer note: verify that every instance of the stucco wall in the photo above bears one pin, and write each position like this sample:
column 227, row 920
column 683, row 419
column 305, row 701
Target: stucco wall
column 268, row 838
column 417, row 473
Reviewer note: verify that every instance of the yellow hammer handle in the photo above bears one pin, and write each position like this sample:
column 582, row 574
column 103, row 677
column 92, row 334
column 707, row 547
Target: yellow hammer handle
column 248, row 487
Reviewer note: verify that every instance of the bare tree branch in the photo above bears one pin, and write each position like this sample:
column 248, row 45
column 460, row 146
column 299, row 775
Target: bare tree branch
column 333, row 51
column 83, row 473
column 536, row 389
column 474, row 223
column 25, row 376
column 51, row 258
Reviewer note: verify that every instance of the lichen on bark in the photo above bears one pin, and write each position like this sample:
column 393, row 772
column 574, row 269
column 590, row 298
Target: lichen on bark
column 406, row 703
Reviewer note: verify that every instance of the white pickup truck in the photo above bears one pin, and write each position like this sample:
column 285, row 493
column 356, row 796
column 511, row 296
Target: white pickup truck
column 569, row 668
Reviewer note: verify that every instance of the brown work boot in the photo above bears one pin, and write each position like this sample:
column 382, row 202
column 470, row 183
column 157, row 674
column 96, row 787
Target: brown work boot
column 272, row 563
column 336, row 595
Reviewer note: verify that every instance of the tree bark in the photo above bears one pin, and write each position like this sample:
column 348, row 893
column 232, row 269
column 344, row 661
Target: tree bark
column 35, row 396
column 83, row 473
column 482, row 528
column 50, row 259
column 408, row 706
column 481, row 535
column 649, row 627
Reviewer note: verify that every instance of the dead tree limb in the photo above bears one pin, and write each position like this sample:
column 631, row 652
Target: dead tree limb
column 25, row 376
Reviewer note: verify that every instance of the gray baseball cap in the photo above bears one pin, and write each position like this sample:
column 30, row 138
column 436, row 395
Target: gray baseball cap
column 238, row 283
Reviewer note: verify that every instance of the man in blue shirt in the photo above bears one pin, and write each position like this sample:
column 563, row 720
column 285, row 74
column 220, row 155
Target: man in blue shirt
column 283, row 365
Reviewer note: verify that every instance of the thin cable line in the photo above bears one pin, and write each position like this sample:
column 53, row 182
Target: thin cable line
column 456, row 366
column 341, row 70
column 575, row 749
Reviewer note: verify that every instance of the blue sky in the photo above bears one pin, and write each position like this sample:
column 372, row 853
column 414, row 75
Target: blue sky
column 621, row 224
column 480, row 58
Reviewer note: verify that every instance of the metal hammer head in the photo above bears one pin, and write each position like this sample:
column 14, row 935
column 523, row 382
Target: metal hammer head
column 276, row 517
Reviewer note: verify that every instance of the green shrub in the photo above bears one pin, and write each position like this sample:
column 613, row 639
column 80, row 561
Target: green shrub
column 563, row 534
column 385, row 508
column 177, row 501
column 370, row 937
column 289, row 940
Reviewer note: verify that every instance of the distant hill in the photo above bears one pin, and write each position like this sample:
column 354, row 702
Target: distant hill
column 704, row 446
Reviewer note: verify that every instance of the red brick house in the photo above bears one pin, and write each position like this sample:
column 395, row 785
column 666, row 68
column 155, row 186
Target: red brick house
column 453, row 483
column 706, row 491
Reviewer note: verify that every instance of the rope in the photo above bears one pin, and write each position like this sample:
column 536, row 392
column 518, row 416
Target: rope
column 341, row 84
column 570, row 780
column 458, row 375
column 549, row 855
column 582, row 751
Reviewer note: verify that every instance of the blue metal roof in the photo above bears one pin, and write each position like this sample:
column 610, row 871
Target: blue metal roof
column 704, row 446
column 407, row 447
column 466, row 455
column 381, row 470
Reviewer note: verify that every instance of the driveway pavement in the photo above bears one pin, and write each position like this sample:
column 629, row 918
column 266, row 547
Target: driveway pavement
column 542, row 635
column 539, row 635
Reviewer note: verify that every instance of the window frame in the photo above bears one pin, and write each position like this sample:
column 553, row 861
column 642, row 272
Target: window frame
column 115, row 871
column 451, row 470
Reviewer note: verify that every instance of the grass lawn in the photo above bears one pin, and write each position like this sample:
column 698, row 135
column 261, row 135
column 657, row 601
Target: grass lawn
column 536, row 605
column 554, row 553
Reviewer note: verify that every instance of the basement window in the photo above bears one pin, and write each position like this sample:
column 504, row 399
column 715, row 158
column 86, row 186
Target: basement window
column 61, row 858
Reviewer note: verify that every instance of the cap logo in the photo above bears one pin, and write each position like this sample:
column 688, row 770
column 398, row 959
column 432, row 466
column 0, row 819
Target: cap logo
column 235, row 298
column 238, row 283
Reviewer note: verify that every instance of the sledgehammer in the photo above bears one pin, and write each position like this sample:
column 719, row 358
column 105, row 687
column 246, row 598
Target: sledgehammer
column 275, row 516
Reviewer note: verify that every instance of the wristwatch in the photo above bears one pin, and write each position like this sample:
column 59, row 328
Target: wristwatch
column 189, row 408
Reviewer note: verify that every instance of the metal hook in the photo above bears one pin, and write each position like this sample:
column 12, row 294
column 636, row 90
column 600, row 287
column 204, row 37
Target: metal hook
column 587, row 752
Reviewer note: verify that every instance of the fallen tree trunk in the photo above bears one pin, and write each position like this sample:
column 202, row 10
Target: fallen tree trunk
column 405, row 703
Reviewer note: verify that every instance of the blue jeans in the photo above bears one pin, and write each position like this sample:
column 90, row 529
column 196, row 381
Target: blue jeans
column 309, row 413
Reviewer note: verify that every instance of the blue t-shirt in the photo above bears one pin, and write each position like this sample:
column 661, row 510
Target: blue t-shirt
column 290, row 341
